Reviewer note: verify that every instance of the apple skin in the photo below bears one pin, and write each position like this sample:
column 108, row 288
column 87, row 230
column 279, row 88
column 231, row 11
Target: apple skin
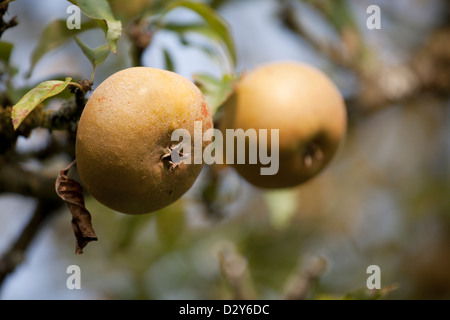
column 125, row 132
column 307, row 108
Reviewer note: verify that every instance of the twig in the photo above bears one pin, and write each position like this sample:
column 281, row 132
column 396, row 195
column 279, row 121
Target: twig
column 3, row 3
column 16, row 253
column 80, row 90
column 300, row 285
column 5, row 25
column 290, row 21
column 64, row 118
column 381, row 85
column 141, row 37
column 234, row 269
column 15, row 179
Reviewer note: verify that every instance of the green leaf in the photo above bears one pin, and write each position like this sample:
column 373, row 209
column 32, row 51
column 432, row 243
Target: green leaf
column 16, row 93
column 53, row 36
column 197, row 27
column 215, row 90
column 101, row 12
column 201, row 28
column 282, row 206
column 374, row 294
column 216, row 27
column 168, row 60
column 96, row 56
column 170, row 223
column 5, row 51
column 337, row 13
column 34, row 97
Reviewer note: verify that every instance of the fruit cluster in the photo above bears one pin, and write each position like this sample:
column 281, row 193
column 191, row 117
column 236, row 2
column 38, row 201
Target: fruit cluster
column 127, row 160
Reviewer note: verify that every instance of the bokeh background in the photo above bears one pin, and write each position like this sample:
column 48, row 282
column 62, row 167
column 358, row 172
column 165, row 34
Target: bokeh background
column 384, row 200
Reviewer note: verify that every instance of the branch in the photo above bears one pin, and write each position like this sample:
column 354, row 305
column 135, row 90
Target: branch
column 234, row 269
column 15, row 179
column 381, row 85
column 65, row 118
column 141, row 37
column 5, row 2
column 79, row 89
column 344, row 55
column 16, row 253
column 300, row 285
column 5, row 25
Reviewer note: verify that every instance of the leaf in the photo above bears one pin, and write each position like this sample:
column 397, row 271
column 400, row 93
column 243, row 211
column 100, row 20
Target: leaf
column 215, row 24
column 197, row 27
column 5, row 51
column 15, row 94
column 282, row 206
column 215, row 90
column 168, row 60
column 34, row 97
column 336, row 12
column 96, row 56
column 72, row 193
column 53, row 36
column 200, row 28
column 101, row 12
column 367, row 294
column 170, row 224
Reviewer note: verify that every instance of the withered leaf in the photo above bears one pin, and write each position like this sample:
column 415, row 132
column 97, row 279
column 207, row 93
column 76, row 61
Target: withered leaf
column 72, row 193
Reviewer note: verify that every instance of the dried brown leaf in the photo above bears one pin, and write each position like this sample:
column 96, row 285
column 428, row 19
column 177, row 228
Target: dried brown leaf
column 72, row 193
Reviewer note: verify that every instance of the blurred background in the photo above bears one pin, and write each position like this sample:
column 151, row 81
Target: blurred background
column 384, row 200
